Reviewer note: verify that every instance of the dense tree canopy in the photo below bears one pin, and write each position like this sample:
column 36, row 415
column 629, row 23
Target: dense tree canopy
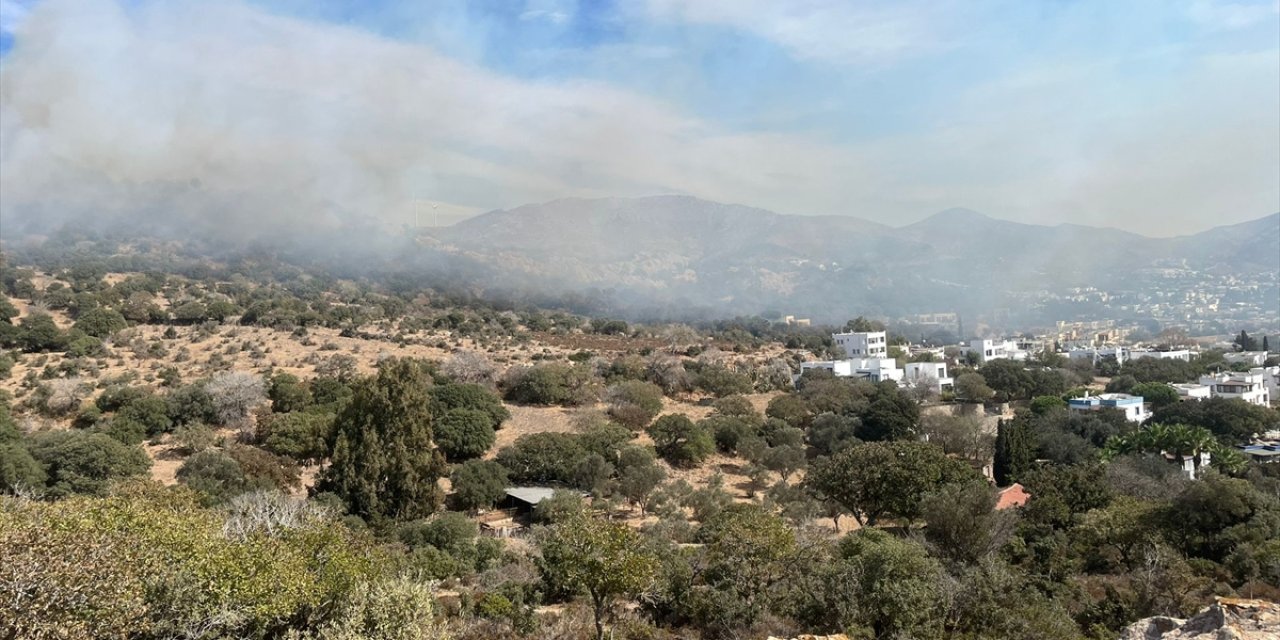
column 385, row 463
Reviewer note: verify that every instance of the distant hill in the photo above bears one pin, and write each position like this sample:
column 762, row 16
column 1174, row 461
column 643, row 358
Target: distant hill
column 677, row 255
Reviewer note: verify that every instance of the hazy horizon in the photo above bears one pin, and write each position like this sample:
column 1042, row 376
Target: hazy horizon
column 1160, row 118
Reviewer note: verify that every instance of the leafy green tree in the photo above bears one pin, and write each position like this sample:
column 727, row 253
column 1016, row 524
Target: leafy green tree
column 791, row 409
column 287, row 393
column 885, row 587
column 738, row 406
column 861, row 324
column 634, row 403
column 962, row 523
column 728, row 431
column 217, row 477
column 1008, row 378
column 463, row 434
column 830, row 433
column 972, row 387
column 385, row 464
column 639, row 475
column 100, row 322
column 38, row 332
column 82, row 462
column 18, row 469
column 1231, row 420
column 1041, row 405
column 605, row 559
column 149, row 410
column 603, row 438
column 722, row 382
column 551, row 384
column 190, row 312
column 542, row 457
column 478, row 484
column 748, row 554
column 891, row 415
column 680, row 441
column 1211, row 516
column 1123, row 383
column 1121, row 531
column 300, row 435
column 875, row 480
column 448, row 397
column 190, row 404
column 563, row 505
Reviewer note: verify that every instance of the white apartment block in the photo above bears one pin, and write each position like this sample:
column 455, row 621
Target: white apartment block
column 1094, row 354
column 995, row 350
column 865, row 344
column 936, row 371
column 1250, row 387
column 873, row 369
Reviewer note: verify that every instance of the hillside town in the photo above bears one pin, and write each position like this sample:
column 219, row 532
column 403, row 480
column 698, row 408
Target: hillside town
column 1249, row 370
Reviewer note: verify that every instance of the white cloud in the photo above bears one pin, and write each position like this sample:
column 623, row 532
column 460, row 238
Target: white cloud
column 1227, row 16
column 836, row 31
column 12, row 13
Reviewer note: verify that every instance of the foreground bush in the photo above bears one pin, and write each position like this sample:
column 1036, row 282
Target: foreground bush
column 149, row 563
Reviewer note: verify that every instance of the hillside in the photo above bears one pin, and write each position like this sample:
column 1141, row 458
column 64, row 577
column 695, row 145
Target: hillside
column 676, row 252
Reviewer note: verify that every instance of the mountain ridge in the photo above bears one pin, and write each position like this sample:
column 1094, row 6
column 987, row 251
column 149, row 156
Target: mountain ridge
column 669, row 251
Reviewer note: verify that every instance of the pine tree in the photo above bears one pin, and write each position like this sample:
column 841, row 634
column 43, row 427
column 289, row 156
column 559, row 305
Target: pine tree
column 385, row 464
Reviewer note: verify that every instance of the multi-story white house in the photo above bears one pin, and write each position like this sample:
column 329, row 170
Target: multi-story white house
column 1094, row 354
column 862, row 344
column 1250, row 387
column 1192, row 391
column 937, row 371
column 995, row 350
column 1135, row 410
column 873, row 369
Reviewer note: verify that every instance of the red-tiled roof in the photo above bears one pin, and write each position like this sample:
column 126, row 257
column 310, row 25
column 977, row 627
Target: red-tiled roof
column 1012, row 496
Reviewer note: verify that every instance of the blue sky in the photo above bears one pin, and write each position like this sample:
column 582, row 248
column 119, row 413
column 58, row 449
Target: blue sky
column 1155, row 116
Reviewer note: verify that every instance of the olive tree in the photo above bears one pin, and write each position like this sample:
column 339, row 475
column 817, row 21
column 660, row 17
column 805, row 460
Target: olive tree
column 604, row 559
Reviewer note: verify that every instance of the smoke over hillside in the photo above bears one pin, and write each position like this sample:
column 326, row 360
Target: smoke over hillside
column 239, row 121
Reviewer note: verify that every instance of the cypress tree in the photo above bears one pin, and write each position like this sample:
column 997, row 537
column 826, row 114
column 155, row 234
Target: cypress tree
column 1266, row 346
column 1014, row 451
column 1000, row 464
column 385, row 464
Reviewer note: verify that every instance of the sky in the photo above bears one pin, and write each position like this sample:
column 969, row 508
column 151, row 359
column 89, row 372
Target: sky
column 1160, row 117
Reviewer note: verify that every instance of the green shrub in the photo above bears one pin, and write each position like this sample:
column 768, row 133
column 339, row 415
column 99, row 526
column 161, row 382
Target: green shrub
column 464, row 433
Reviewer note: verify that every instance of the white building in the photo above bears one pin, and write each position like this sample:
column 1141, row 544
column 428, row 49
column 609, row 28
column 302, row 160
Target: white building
column 862, row 344
column 1094, row 354
column 1192, row 391
column 1250, row 387
column 1171, row 354
column 937, row 371
column 1251, row 358
column 1135, row 410
column 873, row 369
column 1271, row 378
column 995, row 350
